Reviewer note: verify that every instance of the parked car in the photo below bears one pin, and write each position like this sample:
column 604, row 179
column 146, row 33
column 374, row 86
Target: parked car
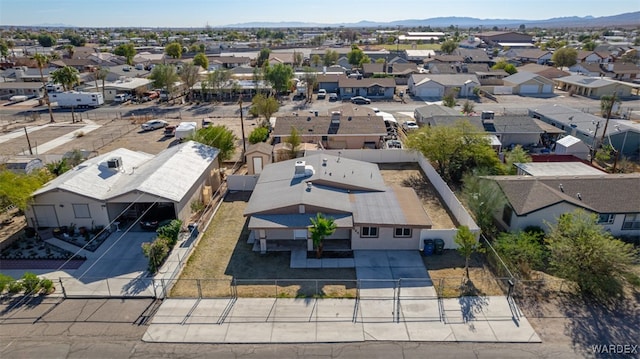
column 154, row 125
column 410, row 125
column 333, row 96
column 359, row 100
column 170, row 131
column 322, row 93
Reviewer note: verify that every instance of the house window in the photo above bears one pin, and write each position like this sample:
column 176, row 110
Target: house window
column 401, row 232
column 507, row 212
column 606, row 218
column 369, row 232
column 631, row 221
column 81, row 211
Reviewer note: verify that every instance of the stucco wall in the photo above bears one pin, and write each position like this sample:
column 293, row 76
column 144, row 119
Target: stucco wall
column 385, row 240
column 62, row 202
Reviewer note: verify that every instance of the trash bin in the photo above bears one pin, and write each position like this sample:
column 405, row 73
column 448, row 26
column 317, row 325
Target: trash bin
column 428, row 247
column 439, row 246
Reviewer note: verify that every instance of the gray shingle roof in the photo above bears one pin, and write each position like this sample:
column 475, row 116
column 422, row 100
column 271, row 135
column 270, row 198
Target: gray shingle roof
column 601, row 194
column 319, row 126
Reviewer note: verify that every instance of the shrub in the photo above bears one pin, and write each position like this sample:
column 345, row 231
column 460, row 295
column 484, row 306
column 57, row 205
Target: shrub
column 15, row 287
column 5, row 281
column 170, row 231
column 30, row 283
column 157, row 251
column 197, row 206
column 260, row 134
column 46, row 285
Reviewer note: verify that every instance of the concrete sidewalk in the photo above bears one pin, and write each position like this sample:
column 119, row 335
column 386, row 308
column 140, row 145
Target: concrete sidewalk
column 47, row 146
column 270, row 320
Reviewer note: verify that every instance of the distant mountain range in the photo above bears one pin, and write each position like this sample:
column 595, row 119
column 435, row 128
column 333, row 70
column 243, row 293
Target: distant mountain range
column 626, row 19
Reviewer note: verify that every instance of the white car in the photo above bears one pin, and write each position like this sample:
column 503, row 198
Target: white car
column 410, row 126
column 154, row 125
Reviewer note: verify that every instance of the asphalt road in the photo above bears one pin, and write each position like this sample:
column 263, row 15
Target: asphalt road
column 112, row 328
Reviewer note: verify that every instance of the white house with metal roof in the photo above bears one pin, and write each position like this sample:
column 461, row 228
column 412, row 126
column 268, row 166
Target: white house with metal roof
column 368, row 213
column 124, row 185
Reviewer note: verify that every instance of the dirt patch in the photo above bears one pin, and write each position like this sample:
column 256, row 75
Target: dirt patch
column 410, row 175
column 448, row 275
column 223, row 255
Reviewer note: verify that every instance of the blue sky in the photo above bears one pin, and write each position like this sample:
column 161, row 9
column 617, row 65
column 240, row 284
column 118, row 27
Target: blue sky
column 198, row 13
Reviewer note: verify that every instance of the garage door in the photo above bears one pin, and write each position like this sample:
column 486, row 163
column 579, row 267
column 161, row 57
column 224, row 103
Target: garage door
column 46, row 216
column 529, row 89
column 547, row 89
column 429, row 92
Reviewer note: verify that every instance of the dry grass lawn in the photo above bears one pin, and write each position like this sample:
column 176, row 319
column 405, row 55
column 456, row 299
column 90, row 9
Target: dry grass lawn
column 448, row 269
column 223, row 256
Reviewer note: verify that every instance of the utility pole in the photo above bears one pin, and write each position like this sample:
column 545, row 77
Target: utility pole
column 244, row 145
column 28, row 142
column 606, row 124
column 593, row 141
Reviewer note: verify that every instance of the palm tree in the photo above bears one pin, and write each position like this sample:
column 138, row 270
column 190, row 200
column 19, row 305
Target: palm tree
column 41, row 62
column 321, row 228
column 101, row 73
column 66, row 76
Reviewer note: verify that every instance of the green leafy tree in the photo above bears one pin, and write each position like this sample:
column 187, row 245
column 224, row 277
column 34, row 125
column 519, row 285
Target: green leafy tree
column 316, row 60
column 507, row 67
column 41, row 62
column 58, row 167
column 4, row 50
column 173, row 50
column 467, row 245
column 219, row 137
column 259, row 134
column 170, row 231
column 516, row 155
column 201, row 60
column 583, row 252
column 454, row 150
column 66, row 76
column 467, row 107
column 164, row 76
column 217, row 79
column 311, row 80
column 190, row 74
column 16, row 189
column 279, row 76
column 330, row 58
column 263, row 57
column 522, row 250
column 298, row 58
column 321, row 228
column 564, row 57
column 46, row 40
column 355, row 56
column 293, row 140
column 156, row 251
column 449, row 100
column 448, row 46
column 483, row 199
column 265, row 106
column 126, row 50
column 607, row 104
column 589, row 46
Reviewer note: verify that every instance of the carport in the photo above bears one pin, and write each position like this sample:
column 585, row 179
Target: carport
column 129, row 213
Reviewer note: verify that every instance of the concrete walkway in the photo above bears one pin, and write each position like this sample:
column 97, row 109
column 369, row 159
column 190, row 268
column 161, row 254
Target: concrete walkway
column 270, row 320
column 20, row 132
column 48, row 146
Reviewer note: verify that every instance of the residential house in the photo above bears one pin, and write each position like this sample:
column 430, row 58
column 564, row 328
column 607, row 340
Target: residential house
column 437, row 85
column 126, row 85
column 473, row 56
column 623, row 135
column 30, row 89
column 586, row 69
column 504, row 38
column 122, row 185
column 592, row 86
column 424, row 113
column 330, row 82
column 340, row 130
column 549, row 72
column 285, row 58
column 530, row 133
column 227, row 62
column 621, row 71
column 373, row 88
column 368, row 214
column 528, row 83
column 541, row 200
column 589, row 57
column 536, row 56
column 26, row 74
column 418, row 56
column 400, row 72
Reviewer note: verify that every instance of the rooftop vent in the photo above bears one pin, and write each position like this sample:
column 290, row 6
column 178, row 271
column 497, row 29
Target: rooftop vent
column 324, row 162
column 579, row 196
column 114, row 163
column 561, row 187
